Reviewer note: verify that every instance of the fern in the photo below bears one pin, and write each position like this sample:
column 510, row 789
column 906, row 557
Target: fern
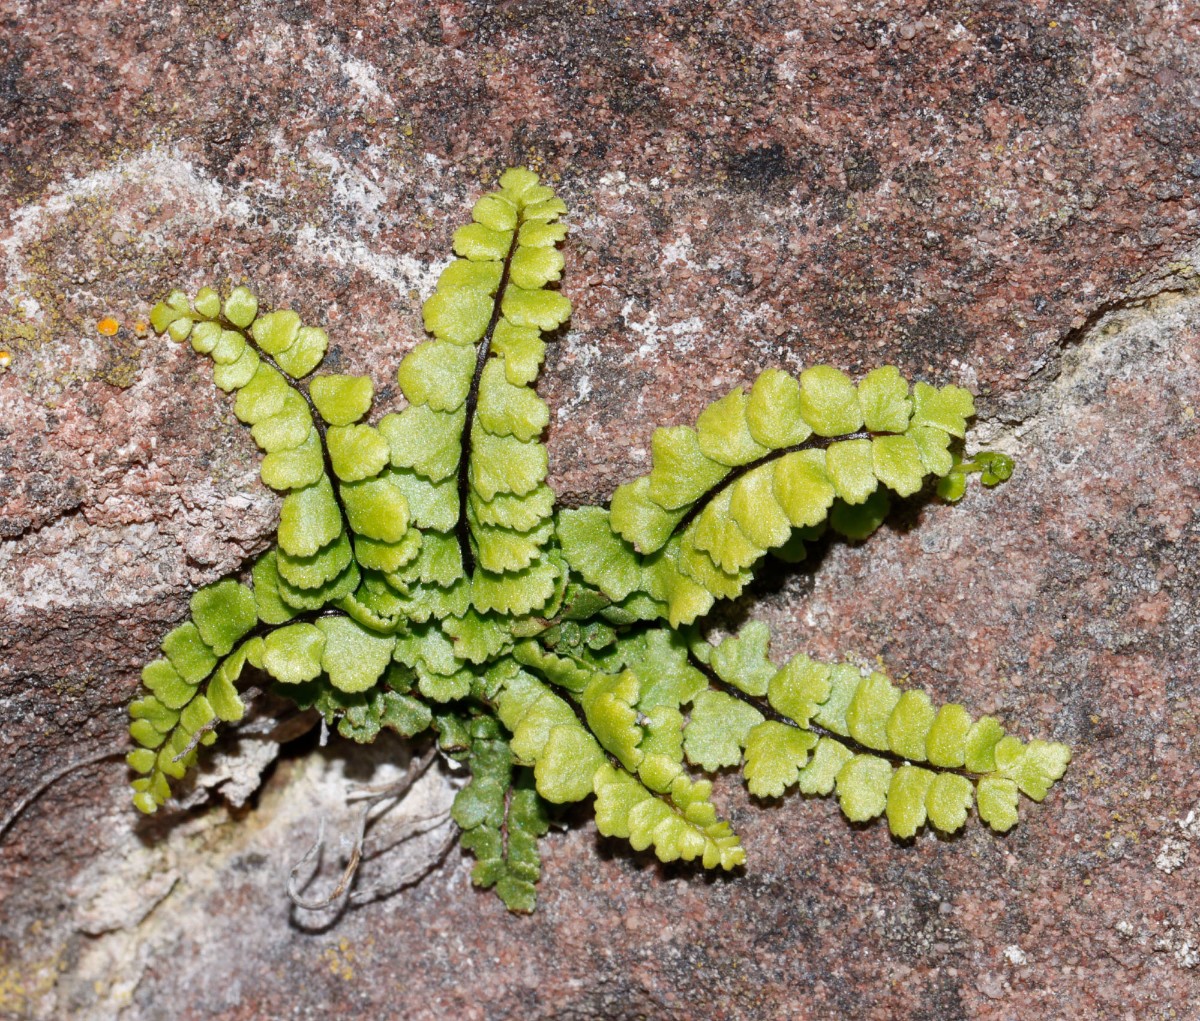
column 423, row 581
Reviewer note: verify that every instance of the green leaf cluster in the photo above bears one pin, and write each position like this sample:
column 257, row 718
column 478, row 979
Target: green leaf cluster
column 423, row 580
column 764, row 470
column 502, row 817
column 824, row 727
column 191, row 688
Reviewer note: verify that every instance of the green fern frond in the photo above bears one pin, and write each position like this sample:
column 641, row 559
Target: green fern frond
column 882, row 749
column 793, row 454
column 192, row 688
column 423, row 581
column 501, row 817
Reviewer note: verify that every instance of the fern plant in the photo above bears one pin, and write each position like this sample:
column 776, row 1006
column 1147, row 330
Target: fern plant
column 424, row 581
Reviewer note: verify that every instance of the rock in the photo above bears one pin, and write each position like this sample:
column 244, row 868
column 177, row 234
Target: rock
column 1003, row 199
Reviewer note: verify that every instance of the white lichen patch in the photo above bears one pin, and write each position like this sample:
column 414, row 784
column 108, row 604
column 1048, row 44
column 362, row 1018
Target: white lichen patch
column 355, row 192
column 676, row 338
column 362, row 77
column 679, row 251
column 1173, row 854
column 614, row 181
column 1015, row 955
column 1174, row 851
column 1183, row 947
column 401, row 273
column 125, row 896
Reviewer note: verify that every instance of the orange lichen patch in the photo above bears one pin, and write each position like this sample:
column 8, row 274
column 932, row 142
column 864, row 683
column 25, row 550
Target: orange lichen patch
column 141, row 328
column 108, row 326
column 5, row 360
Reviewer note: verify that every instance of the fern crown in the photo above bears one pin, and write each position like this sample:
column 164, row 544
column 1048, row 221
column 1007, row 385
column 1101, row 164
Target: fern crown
column 423, row 580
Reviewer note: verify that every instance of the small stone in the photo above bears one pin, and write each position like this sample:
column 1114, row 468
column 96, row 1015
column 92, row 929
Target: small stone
column 1015, row 955
column 990, row 984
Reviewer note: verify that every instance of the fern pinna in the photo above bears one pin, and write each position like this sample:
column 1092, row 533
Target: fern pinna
column 423, row 580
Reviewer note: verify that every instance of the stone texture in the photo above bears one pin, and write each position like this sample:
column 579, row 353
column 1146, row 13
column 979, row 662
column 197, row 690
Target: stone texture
column 1000, row 195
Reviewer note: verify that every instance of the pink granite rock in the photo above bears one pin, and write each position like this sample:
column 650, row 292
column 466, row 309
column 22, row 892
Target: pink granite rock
column 1001, row 195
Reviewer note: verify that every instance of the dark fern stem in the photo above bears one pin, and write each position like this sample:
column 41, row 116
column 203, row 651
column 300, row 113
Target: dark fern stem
column 769, row 711
column 812, row 443
column 463, row 527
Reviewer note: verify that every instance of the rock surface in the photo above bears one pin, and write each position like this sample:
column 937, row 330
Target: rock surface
column 1001, row 195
